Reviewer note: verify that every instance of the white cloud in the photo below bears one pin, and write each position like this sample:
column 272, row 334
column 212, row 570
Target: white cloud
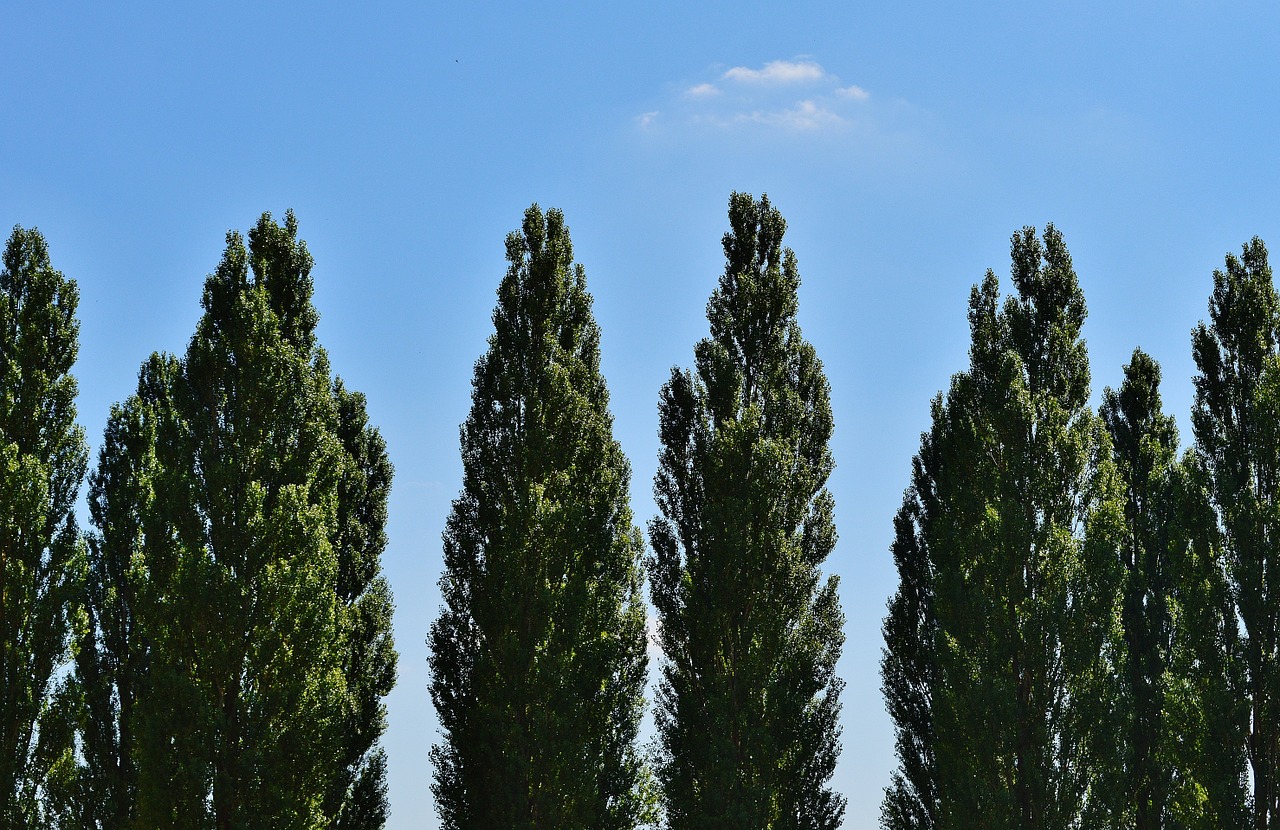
column 795, row 96
column 853, row 92
column 702, row 91
column 777, row 72
column 804, row 116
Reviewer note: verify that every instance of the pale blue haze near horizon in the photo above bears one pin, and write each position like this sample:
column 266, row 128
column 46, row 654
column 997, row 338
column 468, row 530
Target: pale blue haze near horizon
column 903, row 142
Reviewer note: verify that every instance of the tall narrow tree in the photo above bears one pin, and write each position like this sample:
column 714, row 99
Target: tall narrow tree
column 246, row 630
column 127, row 494
column 42, row 462
column 538, row 656
column 239, row 641
column 1237, row 397
column 909, row 665
column 1205, row 716
column 358, row 794
column 748, row 702
column 997, row 638
column 1145, row 773
column 1171, row 748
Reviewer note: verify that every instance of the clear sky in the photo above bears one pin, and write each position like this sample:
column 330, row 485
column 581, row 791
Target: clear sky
column 903, row 141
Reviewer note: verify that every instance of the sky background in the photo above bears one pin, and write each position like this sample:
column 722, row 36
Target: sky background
column 904, row 142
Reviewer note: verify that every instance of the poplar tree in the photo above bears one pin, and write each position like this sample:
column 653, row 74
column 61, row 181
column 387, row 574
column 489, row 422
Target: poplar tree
column 997, row 641
column 1171, row 751
column 1145, row 766
column 1236, row 422
column 358, row 793
column 909, row 664
column 245, row 673
column 239, row 643
column 748, row 701
column 42, row 462
column 1206, row 718
column 538, row 655
column 139, row 467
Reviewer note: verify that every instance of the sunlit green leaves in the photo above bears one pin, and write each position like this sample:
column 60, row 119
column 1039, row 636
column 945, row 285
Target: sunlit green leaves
column 538, row 656
column 239, row 641
column 42, row 462
column 748, row 702
column 1005, row 547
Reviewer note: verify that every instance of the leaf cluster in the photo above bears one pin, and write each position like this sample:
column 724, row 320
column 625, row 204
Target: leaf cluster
column 42, row 462
column 748, row 701
column 538, row 657
column 235, row 644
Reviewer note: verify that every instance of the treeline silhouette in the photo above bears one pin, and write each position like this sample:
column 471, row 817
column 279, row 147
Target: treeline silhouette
column 215, row 650
column 1086, row 631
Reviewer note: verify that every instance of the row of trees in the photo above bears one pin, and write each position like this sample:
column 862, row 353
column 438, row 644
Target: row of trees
column 225, row 619
column 215, row 651
column 1086, row 633
column 1087, row 628
column 538, row 658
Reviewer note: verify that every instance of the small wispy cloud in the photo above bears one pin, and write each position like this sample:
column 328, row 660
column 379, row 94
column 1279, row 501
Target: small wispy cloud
column 795, row 108
column 853, row 93
column 790, row 96
column 777, row 72
column 702, row 91
column 805, row 116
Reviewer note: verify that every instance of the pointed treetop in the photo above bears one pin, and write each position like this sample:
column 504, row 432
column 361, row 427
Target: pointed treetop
column 1244, row 308
column 1044, row 320
column 1045, row 278
column 228, row 281
column 37, row 304
column 756, row 299
column 1135, row 409
column 1233, row 350
column 543, row 302
column 280, row 264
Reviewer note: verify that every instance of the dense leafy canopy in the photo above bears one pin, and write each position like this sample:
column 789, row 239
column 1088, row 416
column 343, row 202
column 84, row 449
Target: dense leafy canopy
column 1086, row 632
column 1148, row 742
column 237, row 642
column 997, row 641
column 748, row 701
column 1236, row 421
column 42, row 462
column 538, row 657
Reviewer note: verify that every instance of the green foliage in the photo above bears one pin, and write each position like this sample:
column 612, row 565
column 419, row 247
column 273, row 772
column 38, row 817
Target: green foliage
column 245, row 671
column 127, row 493
column 538, row 656
column 1238, row 447
column 1151, row 776
column 357, row 799
column 238, row 640
column 748, row 703
column 42, row 461
column 997, row 641
column 1206, row 717
column 909, row 665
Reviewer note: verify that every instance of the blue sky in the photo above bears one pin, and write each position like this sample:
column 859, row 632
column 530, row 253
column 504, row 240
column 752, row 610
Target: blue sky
column 903, row 141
